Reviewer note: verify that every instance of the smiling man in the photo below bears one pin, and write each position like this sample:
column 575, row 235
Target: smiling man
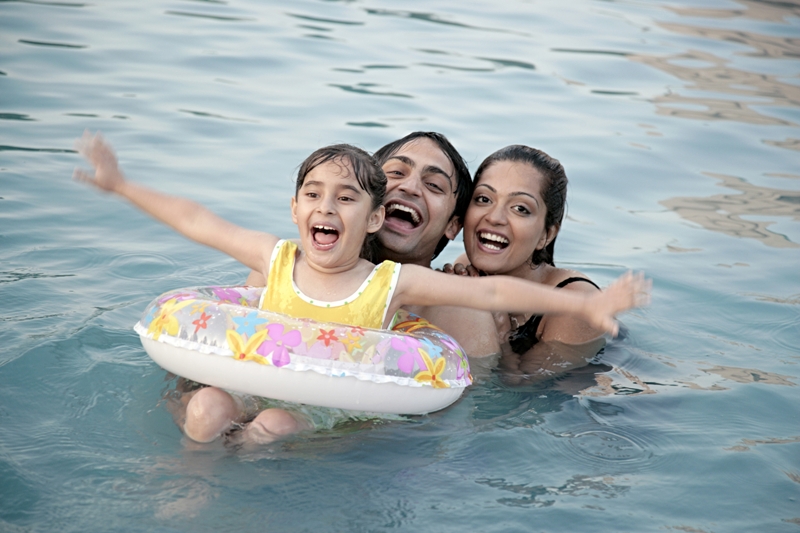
column 428, row 191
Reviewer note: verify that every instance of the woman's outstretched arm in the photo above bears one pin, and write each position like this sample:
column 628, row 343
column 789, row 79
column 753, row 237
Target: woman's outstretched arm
column 251, row 248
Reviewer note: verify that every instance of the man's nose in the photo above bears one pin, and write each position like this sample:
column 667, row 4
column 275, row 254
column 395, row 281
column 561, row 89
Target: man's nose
column 412, row 184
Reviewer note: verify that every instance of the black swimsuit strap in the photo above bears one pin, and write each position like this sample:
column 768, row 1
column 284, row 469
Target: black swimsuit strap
column 524, row 337
column 573, row 280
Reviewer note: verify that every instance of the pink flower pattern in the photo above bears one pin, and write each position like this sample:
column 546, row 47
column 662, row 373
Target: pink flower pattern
column 228, row 296
column 279, row 343
column 409, row 346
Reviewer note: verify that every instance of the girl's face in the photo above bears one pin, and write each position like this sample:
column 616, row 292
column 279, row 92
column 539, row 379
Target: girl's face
column 334, row 215
column 505, row 220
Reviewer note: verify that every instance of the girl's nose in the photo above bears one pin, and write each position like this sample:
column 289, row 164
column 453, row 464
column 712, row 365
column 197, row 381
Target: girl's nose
column 327, row 205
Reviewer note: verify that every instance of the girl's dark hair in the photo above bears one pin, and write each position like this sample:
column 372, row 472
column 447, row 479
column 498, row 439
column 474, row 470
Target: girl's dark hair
column 463, row 190
column 554, row 189
column 367, row 172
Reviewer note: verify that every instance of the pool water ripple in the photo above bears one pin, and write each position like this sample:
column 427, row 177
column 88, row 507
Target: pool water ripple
column 679, row 127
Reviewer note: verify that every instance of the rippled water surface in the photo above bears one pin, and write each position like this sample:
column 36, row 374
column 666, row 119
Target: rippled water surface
column 677, row 123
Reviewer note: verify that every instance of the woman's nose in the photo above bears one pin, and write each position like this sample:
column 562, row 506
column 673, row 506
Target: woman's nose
column 497, row 215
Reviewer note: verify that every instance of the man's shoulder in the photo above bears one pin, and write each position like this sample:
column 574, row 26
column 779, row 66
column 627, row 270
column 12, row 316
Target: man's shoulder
column 474, row 330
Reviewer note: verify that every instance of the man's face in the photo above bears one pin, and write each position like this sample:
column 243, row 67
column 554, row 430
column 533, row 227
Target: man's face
column 420, row 200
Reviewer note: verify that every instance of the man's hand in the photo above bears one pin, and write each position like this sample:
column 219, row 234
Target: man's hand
column 460, row 270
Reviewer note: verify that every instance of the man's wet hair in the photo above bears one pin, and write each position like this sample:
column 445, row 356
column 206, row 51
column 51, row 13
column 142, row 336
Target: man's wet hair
column 463, row 180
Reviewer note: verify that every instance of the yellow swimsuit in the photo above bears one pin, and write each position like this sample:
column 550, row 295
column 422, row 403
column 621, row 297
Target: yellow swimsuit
column 365, row 308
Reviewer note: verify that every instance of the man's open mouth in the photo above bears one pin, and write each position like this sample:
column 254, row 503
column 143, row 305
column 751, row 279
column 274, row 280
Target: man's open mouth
column 324, row 235
column 403, row 213
column 492, row 241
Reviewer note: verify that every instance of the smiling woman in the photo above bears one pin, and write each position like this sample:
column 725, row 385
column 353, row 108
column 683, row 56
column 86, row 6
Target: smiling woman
column 511, row 228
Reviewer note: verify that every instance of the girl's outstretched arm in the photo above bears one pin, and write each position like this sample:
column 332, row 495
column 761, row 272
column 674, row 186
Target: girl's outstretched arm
column 251, row 248
column 422, row 286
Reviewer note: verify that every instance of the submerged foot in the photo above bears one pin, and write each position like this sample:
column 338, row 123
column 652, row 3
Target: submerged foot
column 271, row 425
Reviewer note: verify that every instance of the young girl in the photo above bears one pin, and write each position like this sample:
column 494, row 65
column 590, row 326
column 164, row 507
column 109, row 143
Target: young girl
column 337, row 205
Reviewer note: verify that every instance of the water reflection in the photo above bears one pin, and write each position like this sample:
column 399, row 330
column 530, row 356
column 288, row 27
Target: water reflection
column 753, row 9
column 709, row 73
column 750, row 375
column 620, row 382
column 525, row 495
column 788, row 143
column 723, row 212
column 745, row 444
column 770, row 46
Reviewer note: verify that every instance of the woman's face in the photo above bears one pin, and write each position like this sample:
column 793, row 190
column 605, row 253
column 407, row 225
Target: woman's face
column 505, row 220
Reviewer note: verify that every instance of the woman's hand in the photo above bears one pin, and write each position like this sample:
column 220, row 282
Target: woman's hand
column 107, row 175
column 630, row 290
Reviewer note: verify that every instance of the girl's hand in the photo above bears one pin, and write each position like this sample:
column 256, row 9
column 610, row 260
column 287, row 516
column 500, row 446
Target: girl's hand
column 107, row 175
column 630, row 290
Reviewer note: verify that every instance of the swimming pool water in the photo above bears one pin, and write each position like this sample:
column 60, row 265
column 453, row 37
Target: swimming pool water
column 677, row 122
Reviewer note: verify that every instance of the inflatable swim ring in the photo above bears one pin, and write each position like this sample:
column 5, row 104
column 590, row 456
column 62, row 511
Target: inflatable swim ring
column 218, row 336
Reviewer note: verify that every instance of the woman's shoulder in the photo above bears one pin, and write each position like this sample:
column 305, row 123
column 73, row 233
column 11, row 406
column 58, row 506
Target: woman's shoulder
column 565, row 278
column 564, row 328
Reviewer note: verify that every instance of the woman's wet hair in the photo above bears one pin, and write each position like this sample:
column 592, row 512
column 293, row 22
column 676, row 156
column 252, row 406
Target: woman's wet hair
column 554, row 189
column 463, row 190
column 368, row 174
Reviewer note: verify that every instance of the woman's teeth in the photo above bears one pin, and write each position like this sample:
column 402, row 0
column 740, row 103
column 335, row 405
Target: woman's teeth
column 493, row 241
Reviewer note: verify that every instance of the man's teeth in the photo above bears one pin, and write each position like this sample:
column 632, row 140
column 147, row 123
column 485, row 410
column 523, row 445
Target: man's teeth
column 493, row 238
column 406, row 209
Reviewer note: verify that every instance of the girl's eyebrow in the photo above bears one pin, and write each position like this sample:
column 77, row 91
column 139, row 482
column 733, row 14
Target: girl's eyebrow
column 342, row 186
column 516, row 193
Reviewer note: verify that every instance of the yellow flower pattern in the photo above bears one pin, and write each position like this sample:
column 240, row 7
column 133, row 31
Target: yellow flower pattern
column 432, row 375
column 351, row 341
column 165, row 321
column 246, row 351
column 410, row 326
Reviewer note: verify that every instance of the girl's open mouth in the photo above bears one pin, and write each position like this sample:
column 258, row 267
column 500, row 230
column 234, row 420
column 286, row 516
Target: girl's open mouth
column 324, row 236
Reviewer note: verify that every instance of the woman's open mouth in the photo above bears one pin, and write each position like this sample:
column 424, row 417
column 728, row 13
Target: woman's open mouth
column 492, row 241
